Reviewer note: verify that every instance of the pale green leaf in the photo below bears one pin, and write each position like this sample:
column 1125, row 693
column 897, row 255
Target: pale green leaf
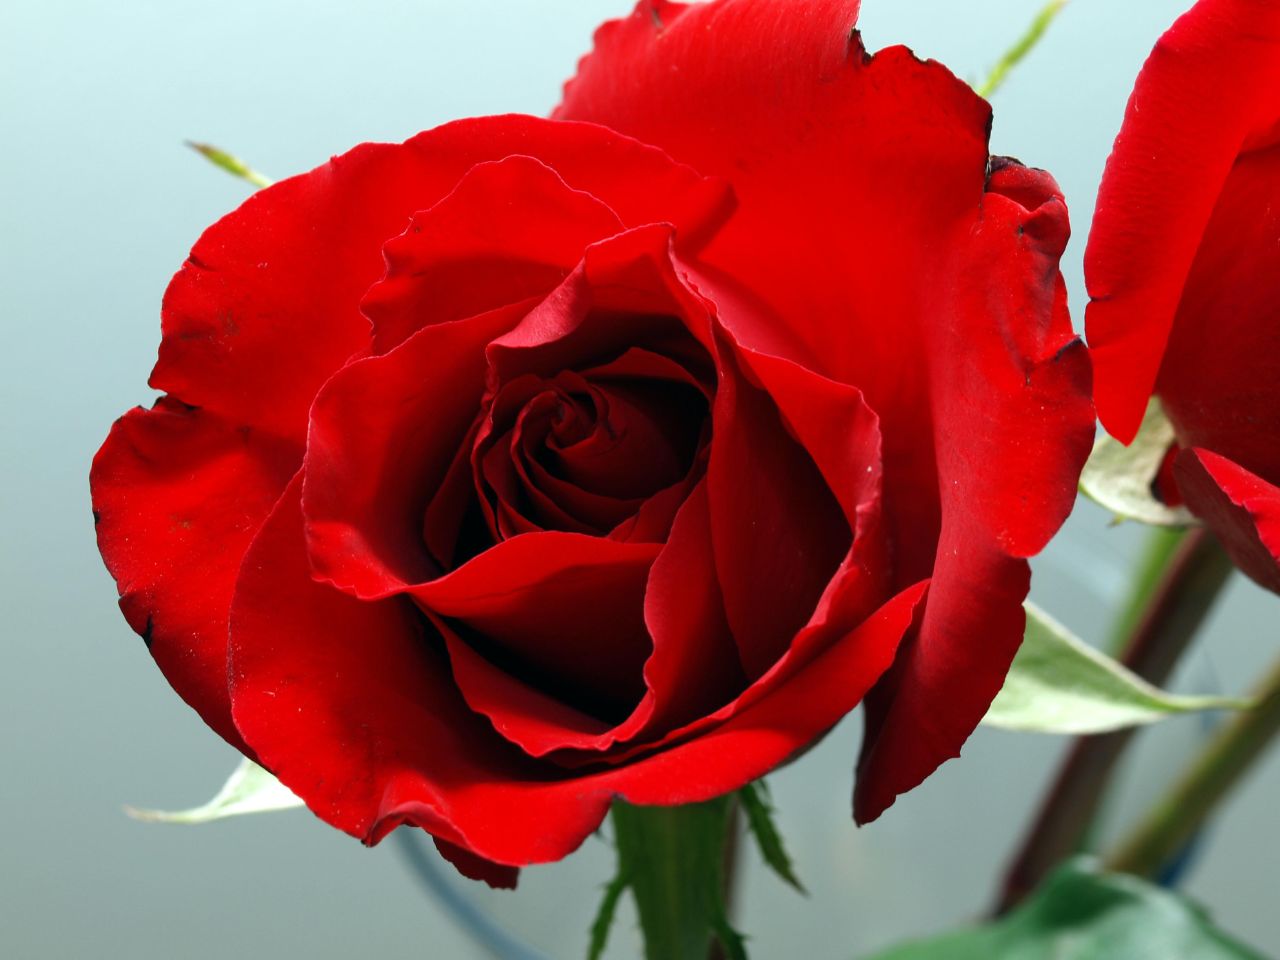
column 1060, row 684
column 249, row 789
column 1119, row 477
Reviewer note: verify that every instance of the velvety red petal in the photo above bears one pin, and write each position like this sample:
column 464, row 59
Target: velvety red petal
column 276, row 285
column 1209, row 90
column 384, row 433
column 685, row 619
column 266, row 308
column 693, row 669
column 530, row 822
column 478, row 868
column 1220, row 380
column 626, row 294
column 540, row 605
column 774, row 557
column 178, row 493
column 841, row 163
column 1240, row 507
column 1012, row 425
column 372, row 734
column 510, row 230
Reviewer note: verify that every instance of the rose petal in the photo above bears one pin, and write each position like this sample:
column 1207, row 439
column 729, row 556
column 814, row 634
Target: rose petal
column 560, row 609
column 778, row 531
column 478, row 868
column 372, row 735
column 384, row 432
column 276, row 284
column 178, row 493
column 842, row 164
column 1208, row 91
column 1220, row 380
column 625, row 294
column 1240, row 507
column 1012, row 427
column 510, row 230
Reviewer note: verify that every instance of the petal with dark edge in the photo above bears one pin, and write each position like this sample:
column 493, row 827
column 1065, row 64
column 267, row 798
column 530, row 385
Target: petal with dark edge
column 1208, row 92
column 178, row 494
column 276, row 284
column 1240, row 507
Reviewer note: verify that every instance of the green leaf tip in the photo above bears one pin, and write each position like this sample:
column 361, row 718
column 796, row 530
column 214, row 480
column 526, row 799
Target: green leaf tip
column 232, row 164
column 249, row 789
column 759, row 812
column 603, row 921
column 1059, row 684
column 1026, row 43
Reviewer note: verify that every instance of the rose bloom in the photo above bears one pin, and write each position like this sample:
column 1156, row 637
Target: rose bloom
column 1183, row 267
column 526, row 465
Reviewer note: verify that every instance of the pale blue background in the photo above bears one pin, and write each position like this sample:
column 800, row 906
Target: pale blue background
column 100, row 203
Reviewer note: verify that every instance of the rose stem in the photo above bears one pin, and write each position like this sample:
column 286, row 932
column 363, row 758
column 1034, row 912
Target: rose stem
column 1174, row 606
column 728, row 886
column 1210, row 777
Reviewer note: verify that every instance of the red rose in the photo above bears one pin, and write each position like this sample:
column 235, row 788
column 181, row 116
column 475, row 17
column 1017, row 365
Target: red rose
column 597, row 485
column 1183, row 266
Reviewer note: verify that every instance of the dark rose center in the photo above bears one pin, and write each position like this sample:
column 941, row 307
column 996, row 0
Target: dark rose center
column 584, row 450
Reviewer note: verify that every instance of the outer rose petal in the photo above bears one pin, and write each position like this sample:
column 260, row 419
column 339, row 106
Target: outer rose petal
column 510, row 230
column 372, row 734
column 478, row 868
column 1242, row 508
column 1209, row 93
column 874, row 170
column 1013, row 426
column 1220, row 380
column 276, row 285
column 178, row 493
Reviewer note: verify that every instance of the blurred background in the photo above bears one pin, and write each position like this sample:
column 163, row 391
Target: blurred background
column 100, row 202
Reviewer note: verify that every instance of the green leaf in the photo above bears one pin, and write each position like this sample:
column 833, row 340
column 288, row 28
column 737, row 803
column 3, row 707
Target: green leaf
column 1083, row 914
column 1060, row 684
column 755, row 804
column 1120, row 478
column 604, row 916
column 249, row 789
column 232, row 164
column 673, row 861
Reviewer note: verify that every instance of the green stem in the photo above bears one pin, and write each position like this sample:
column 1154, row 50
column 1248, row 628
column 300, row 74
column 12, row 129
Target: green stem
column 1174, row 604
column 1162, row 543
column 673, row 859
column 1211, row 776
